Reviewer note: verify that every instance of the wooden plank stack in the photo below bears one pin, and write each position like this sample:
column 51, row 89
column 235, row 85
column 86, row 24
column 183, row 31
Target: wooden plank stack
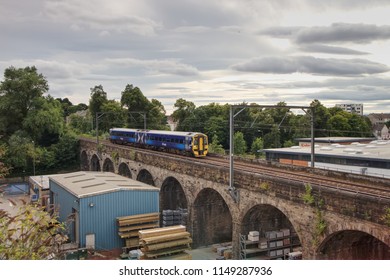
column 130, row 225
column 167, row 242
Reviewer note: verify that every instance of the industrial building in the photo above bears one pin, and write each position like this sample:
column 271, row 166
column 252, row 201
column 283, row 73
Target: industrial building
column 361, row 157
column 90, row 203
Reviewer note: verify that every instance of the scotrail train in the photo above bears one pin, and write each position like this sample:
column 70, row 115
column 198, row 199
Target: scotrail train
column 186, row 143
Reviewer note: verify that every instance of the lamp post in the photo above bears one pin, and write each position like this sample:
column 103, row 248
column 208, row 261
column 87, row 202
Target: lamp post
column 33, row 157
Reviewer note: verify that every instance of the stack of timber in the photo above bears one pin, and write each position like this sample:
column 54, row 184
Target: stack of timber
column 165, row 243
column 130, row 225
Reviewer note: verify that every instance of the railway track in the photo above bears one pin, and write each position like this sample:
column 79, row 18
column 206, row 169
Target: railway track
column 295, row 176
column 305, row 177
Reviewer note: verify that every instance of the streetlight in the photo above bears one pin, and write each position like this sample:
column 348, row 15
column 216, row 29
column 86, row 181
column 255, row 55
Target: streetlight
column 33, row 157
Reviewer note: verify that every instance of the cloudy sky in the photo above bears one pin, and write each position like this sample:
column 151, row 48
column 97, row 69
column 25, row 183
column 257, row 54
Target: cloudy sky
column 223, row 51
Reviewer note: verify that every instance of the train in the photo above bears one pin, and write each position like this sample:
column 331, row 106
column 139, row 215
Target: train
column 193, row 144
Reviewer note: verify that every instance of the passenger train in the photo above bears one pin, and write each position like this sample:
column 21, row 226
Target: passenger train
column 186, row 143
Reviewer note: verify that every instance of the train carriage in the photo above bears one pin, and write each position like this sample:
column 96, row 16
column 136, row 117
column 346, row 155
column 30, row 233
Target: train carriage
column 188, row 143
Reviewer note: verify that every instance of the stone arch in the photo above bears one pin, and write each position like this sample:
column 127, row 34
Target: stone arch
column 352, row 245
column 108, row 165
column 84, row 164
column 172, row 195
column 124, row 170
column 265, row 217
column 144, row 176
column 95, row 163
column 212, row 220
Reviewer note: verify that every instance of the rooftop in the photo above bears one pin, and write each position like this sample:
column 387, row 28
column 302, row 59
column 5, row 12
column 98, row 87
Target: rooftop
column 378, row 150
column 336, row 139
column 88, row 183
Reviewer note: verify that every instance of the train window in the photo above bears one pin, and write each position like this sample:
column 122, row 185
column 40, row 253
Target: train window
column 164, row 139
column 181, row 141
column 168, row 140
column 159, row 139
column 196, row 141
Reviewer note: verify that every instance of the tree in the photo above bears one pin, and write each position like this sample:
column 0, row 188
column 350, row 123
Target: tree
column 257, row 147
column 4, row 170
column 135, row 101
column 215, row 146
column 156, row 116
column 18, row 94
column 20, row 151
column 184, row 110
column 97, row 100
column 32, row 234
column 239, row 143
column 114, row 115
column 44, row 122
column 339, row 125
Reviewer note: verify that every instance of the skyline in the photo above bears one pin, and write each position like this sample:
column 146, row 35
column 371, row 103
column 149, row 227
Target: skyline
column 228, row 51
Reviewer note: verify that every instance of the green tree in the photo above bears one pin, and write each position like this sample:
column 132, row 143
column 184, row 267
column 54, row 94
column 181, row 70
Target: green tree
column 239, row 143
column 215, row 146
column 135, row 101
column 322, row 116
column 114, row 116
column 339, row 125
column 156, row 116
column 4, row 170
column 184, row 110
column 20, row 153
column 257, row 146
column 18, row 93
column 44, row 122
column 32, row 234
column 97, row 100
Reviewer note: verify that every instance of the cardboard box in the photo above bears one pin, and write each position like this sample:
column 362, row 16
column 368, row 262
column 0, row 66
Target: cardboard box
column 253, row 238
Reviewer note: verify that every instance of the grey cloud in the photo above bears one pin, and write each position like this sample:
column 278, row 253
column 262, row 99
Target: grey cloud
column 335, row 33
column 343, row 32
column 330, row 49
column 311, row 65
column 156, row 66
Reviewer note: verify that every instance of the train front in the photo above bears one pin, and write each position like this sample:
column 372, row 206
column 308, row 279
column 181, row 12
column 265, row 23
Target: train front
column 200, row 145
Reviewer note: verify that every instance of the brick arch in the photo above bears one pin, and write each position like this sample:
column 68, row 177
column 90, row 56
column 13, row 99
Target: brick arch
column 265, row 217
column 84, row 162
column 212, row 219
column 95, row 163
column 352, row 245
column 108, row 165
column 146, row 177
column 124, row 170
column 172, row 195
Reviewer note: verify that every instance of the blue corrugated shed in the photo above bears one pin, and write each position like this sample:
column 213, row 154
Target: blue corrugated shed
column 96, row 199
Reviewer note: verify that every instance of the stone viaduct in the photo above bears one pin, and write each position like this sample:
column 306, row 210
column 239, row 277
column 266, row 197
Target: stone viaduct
column 338, row 225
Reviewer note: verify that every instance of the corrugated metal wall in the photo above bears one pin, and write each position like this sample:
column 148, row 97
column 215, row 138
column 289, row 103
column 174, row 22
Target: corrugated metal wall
column 64, row 202
column 100, row 219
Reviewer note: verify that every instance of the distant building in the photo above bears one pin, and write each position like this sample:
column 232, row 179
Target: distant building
column 352, row 108
column 379, row 127
column 360, row 157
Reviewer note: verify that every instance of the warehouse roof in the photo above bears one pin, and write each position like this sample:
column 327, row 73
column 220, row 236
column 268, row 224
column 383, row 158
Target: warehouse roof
column 378, row 150
column 87, row 183
column 332, row 140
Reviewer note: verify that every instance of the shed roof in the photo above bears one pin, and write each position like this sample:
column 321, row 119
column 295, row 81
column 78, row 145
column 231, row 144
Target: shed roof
column 88, row 183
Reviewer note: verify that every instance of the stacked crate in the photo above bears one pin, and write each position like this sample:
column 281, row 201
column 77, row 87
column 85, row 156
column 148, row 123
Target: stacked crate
column 174, row 217
column 128, row 227
column 167, row 242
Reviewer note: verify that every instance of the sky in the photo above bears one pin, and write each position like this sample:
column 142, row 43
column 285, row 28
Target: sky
column 222, row 51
